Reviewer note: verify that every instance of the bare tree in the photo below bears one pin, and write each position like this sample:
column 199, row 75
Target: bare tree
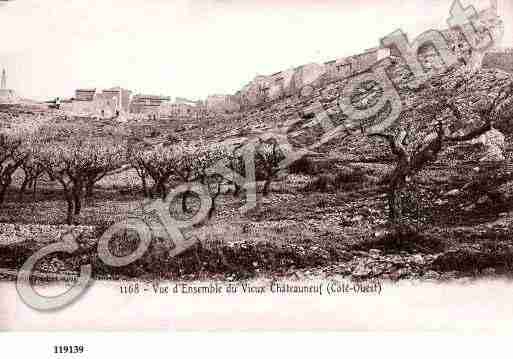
column 158, row 163
column 235, row 159
column 73, row 163
column 142, row 173
column 33, row 170
column 12, row 156
column 408, row 164
column 267, row 160
column 412, row 158
column 193, row 165
column 106, row 158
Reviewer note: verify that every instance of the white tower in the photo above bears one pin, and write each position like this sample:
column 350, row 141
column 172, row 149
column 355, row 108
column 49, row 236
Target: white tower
column 4, row 80
column 495, row 6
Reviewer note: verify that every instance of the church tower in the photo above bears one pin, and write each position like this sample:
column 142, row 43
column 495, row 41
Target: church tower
column 4, row 80
column 495, row 7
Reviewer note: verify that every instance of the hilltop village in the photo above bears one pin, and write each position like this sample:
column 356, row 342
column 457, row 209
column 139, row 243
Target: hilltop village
column 292, row 83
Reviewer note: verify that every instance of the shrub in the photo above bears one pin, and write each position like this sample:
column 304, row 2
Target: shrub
column 345, row 179
column 303, row 166
column 404, row 238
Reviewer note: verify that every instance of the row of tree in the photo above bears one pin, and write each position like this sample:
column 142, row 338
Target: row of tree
column 78, row 162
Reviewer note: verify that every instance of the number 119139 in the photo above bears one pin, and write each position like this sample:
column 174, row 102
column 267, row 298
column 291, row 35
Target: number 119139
column 68, row 349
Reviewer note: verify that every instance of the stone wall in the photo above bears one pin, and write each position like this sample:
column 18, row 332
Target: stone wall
column 147, row 104
column 182, row 111
column 98, row 107
column 222, row 103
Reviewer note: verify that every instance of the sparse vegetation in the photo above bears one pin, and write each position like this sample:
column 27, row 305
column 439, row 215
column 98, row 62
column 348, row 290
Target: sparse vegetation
column 353, row 197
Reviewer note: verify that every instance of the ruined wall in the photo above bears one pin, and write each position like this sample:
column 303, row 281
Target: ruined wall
column 313, row 75
column 122, row 97
column 181, row 111
column 84, row 94
column 147, row 104
column 222, row 103
column 309, row 75
column 92, row 108
column 291, row 82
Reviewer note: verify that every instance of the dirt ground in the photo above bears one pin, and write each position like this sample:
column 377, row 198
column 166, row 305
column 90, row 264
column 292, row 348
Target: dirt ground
column 293, row 229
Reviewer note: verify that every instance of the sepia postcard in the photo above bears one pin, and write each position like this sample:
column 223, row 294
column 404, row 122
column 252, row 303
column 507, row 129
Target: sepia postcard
column 288, row 165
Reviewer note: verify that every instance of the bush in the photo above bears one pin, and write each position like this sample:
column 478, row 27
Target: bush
column 303, row 166
column 473, row 261
column 346, row 179
column 404, row 238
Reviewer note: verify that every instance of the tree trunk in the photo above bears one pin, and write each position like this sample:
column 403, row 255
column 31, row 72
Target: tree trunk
column 4, row 186
column 236, row 192
column 160, row 190
column 395, row 205
column 89, row 188
column 77, row 195
column 78, row 202
column 267, row 185
column 212, row 208
column 163, row 191
column 144, row 185
column 34, row 190
column 23, row 188
column 3, row 190
column 69, row 216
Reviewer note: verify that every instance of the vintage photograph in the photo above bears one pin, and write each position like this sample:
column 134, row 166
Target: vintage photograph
column 256, row 165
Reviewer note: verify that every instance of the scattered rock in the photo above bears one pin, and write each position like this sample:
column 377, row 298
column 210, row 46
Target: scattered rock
column 431, row 275
column 399, row 274
column 483, row 199
column 469, row 208
column 357, row 219
column 452, row 193
column 489, row 271
column 418, row 259
column 447, row 276
column 374, row 253
column 361, row 271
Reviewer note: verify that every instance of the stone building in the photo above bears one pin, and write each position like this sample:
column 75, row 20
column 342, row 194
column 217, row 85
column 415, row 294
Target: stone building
column 182, row 109
column 106, row 104
column 120, row 96
column 84, row 94
column 97, row 107
column 222, row 103
column 147, row 104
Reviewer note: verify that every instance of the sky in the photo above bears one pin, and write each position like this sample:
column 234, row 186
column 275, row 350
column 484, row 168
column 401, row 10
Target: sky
column 193, row 48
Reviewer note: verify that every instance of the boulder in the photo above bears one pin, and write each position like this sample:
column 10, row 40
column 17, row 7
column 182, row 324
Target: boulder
column 493, row 142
